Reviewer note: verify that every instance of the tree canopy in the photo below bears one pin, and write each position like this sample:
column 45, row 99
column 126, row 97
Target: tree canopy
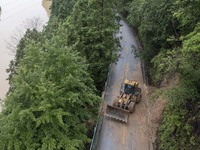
column 53, row 100
column 57, row 77
column 169, row 32
column 92, row 28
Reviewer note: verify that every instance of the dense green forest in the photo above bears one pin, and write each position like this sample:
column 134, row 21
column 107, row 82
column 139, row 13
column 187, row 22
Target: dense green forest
column 170, row 35
column 57, row 77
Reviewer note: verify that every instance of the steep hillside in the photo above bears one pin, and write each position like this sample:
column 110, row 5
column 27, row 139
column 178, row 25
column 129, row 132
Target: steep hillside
column 170, row 35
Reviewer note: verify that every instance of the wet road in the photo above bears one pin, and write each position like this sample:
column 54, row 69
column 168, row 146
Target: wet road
column 116, row 135
column 14, row 15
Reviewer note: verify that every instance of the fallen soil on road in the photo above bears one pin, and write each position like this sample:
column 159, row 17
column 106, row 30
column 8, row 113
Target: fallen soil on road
column 155, row 107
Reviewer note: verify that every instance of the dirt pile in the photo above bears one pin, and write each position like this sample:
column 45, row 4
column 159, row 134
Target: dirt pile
column 155, row 106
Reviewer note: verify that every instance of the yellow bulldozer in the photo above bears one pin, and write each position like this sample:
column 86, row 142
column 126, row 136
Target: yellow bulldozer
column 124, row 104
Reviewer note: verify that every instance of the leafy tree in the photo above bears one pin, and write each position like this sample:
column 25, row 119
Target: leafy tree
column 31, row 34
column 188, row 13
column 62, row 8
column 92, row 27
column 165, row 65
column 53, row 101
column 182, row 115
column 156, row 27
column 191, row 48
column 136, row 12
column 177, row 129
column 123, row 6
column 169, row 31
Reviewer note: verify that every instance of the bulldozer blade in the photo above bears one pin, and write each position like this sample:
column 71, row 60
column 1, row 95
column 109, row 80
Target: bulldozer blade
column 117, row 113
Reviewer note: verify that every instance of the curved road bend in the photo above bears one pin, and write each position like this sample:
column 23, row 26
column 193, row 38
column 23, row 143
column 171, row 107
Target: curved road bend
column 116, row 135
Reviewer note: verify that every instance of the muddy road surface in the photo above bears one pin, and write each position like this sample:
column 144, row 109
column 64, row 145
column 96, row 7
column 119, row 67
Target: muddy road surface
column 117, row 135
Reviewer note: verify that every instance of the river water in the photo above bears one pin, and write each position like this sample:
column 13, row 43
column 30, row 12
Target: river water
column 14, row 18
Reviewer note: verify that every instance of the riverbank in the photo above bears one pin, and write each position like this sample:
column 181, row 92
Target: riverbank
column 13, row 17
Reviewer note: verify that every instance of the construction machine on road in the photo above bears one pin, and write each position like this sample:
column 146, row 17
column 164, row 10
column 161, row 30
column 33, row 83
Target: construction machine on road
column 124, row 104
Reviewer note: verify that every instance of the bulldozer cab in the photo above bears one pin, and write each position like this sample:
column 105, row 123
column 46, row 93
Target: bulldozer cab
column 130, row 87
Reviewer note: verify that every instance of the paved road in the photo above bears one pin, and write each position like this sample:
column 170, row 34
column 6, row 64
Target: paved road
column 117, row 135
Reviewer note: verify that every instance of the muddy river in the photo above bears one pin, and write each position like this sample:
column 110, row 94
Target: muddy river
column 14, row 18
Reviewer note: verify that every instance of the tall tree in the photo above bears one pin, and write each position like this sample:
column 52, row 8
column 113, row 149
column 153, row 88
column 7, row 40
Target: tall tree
column 62, row 8
column 53, row 101
column 31, row 34
column 92, row 30
column 182, row 116
column 170, row 35
column 188, row 13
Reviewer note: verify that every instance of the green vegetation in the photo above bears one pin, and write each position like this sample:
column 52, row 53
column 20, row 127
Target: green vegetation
column 29, row 35
column 62, row 8
column 170, row 34
column 92, row 26
column 53, row 101
column 57, row 77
